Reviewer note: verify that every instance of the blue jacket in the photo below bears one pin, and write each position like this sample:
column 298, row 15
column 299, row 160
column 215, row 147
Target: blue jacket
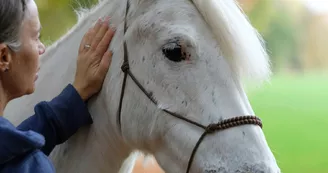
column 25, row 149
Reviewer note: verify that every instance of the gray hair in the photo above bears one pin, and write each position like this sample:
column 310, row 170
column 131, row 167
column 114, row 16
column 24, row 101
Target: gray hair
column 12, row 14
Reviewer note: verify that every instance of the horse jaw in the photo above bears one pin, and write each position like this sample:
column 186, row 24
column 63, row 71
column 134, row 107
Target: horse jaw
column 204, row 89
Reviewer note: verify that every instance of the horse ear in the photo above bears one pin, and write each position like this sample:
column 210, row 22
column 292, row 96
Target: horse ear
column 239, row 42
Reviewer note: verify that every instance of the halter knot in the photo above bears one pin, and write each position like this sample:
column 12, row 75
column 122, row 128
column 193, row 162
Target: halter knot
column 125, row 67
column 211, row 128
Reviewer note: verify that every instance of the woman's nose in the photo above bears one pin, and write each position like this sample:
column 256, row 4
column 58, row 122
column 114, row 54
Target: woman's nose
column 42, row 48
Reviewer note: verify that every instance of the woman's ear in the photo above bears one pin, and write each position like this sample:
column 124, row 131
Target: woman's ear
column 5, row 57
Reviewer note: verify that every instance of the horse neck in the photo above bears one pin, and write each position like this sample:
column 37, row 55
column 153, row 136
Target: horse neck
column 100, row 146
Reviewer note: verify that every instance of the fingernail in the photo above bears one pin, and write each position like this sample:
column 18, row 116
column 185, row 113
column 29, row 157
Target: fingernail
column 112, row 27
column 99, row 21
column 106, row 19
column 103, row 19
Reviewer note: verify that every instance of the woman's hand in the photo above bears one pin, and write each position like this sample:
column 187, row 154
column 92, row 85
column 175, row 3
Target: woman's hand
column 94, row 60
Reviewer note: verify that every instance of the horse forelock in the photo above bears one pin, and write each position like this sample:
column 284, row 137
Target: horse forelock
column 239, row 42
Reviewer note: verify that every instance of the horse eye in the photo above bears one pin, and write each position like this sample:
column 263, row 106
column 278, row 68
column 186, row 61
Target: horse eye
column 173, row 51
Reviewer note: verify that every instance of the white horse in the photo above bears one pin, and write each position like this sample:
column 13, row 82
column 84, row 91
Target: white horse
column 192, row 56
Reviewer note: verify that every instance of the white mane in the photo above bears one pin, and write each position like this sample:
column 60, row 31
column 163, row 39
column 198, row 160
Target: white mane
column 237, row 38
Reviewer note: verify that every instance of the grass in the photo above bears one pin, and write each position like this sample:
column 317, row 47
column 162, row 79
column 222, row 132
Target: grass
column 294, row 110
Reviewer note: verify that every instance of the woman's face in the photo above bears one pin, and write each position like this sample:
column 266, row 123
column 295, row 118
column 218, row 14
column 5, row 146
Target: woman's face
column 24, row 64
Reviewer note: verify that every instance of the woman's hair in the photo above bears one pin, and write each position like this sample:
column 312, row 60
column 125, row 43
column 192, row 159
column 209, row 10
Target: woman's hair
column 12, row 14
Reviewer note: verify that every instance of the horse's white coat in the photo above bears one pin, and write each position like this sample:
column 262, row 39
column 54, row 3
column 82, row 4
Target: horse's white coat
column 206, row 89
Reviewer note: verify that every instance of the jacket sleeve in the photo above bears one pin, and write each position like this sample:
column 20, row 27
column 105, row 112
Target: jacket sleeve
column 58, row 119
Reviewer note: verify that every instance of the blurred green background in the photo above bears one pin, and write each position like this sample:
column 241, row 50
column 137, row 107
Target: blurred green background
column 294, row 106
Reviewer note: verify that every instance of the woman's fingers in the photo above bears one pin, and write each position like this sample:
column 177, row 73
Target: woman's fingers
column 105, row 63
column 86, row 40
column 105, row 41
column 93, row 63
column 97, row 27
column 100, row 34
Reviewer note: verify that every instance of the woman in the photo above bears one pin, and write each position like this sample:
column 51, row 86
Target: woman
column 25, row 149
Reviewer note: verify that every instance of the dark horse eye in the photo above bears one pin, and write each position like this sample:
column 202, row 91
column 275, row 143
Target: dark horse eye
column 173, row 51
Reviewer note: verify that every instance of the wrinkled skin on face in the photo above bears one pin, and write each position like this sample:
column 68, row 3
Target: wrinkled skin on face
column 22, row 66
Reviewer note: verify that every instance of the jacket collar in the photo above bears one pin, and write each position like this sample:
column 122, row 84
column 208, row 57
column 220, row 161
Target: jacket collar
column 14, row 142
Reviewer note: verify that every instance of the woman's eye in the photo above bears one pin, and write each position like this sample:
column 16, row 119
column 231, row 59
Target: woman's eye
column 174, row 52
